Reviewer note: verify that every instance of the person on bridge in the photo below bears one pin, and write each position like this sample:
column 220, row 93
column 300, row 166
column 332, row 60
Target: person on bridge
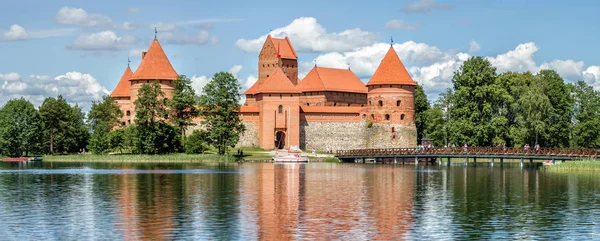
column 537, row 147
column 465, row 148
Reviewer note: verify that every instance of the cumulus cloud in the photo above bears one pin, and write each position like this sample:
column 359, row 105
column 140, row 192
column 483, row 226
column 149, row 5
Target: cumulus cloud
column 474, row 47
column 592, row 76
column 18, row 33
column 103, row 41
column 75, row 87
column 199, row 38
column 566, row 68
column 81, row 18
column 397, row 24
column 424, row 6
column 199, row 81
column 136, row 53
column 309, row 36
column 519, row 59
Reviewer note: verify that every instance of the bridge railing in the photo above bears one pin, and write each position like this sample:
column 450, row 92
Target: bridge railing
column 507, row 151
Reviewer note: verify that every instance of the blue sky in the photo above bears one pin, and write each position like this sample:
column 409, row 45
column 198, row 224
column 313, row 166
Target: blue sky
column 80, row 48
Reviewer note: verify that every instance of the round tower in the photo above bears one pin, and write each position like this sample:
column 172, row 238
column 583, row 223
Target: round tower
column 390, row 105
column 155, row 67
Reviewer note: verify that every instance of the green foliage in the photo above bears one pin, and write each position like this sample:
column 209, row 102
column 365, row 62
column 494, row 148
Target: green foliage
column 20, row 128
column 421, row 107
column 586, row 115
column 558, row 122
column 332, row 159
column 196, row 143
column 183, row 104
column 64, row 127
column 153, row 134
column 102, row 118
column 535, row 106
column 369, row 123
column 117, row 139
column 219, row 105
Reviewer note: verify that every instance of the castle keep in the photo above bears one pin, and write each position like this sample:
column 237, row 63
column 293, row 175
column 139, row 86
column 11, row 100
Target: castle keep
column 330, row 109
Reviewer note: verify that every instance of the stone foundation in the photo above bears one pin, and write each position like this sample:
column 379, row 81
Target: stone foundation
column 383, row 136
column 250, row 136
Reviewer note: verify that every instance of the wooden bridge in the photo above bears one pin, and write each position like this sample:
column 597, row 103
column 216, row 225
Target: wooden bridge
column 397, row 155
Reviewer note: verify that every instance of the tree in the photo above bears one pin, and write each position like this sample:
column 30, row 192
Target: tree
column 153, row 134
column 474, row 113
column 586, row 113
column 219, row 105
column 183, row 105
column 102, row 118
column 196, row 142
column 64, row 126
column 421, row 106
column 535, row 106
column 512, row 86
column 20, row 128
column 559, row 118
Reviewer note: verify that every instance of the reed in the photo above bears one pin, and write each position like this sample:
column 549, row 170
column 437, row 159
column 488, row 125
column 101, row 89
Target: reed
column 574, row 166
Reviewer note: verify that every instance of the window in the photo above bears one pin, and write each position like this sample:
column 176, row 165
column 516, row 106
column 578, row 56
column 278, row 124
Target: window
column 402, row 117
column 380, row 103
column 307, row 104
column 129, row 122
column 372, row 117
column 267, row 76
column 280, row 109
column 387, row 117
column 123, row 123
column 393, row 129
column 362, row 105
column 369, row 102
column 348, row 104
column 390, row 86
column 334, row 104
column 280, row 96
column 364, row 115
column 397, row 103
column 128, row 113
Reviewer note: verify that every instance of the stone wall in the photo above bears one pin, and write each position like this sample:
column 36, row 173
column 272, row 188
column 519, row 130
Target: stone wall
column 333, row 136
column 248, row 138
column 391, row 136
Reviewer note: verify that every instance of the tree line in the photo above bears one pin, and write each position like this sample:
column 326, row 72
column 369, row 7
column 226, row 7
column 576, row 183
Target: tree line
column 160, row 124
column 485, row 108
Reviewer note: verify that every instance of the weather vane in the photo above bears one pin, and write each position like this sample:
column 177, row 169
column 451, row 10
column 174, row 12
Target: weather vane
column 348, row 65
column 128, row 61
column 315, row 61
column 391, row 41
column 155, row 32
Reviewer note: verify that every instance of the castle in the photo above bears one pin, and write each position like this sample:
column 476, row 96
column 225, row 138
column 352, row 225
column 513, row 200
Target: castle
column 330, row 109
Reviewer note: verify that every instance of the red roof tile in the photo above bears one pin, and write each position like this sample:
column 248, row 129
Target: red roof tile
column 329, row 79
column 391, row 71
column 331, row 109
column 155, row 65
column 286, row 50
column 122, row 89
column 277, row 83
column 252, row 90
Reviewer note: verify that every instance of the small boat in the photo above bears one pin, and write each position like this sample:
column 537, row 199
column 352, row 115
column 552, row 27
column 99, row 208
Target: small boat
column 21, row 159
column 290, row 158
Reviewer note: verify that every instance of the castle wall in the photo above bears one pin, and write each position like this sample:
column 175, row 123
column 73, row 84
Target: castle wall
column 383, row 136
column 127, row 108
column 333, row 98
column 166, row 86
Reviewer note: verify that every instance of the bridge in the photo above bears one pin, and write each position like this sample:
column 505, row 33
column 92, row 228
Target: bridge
column 397, row 155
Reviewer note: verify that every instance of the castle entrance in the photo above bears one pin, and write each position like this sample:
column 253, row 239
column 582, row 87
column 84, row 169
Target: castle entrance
column 279, row 140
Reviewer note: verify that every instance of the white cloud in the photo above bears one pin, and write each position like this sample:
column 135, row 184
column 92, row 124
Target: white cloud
column 199, row 81
column 163, row 27
column 103, row 41
column 566, row 68
column 75, row 87
column 474, row 47
column 18, row 33
column 424, row 6
column 200, row 38
column 132, row 10
column 127, row 26
column 397, row 24
column 520, row 59
column 136, row 53
column 592, row 76
column 307, row 35
column 81, row 18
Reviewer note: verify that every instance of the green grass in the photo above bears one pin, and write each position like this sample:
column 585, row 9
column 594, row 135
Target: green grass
column 332, row 159
column 574, row 166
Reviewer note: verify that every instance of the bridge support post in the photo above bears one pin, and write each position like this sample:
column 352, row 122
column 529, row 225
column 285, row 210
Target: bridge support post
column 553, row 161
column 395, row 160
column 416, row 160
column 364, row 160
column 475, row 161
column 375, row 160
column 492, row 162
column 402, row 160
column 427, row 161
column 466, row 161
column 501, row 161
column 530, row 162
column 448, row 162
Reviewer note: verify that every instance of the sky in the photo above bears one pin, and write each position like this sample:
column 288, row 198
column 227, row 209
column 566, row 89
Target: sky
column 80, row 49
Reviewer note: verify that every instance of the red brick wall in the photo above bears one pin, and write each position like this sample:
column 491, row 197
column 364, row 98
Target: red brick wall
column 389, row 96
column 330, row 117
column 268, row 61
column 333, row 98
column 271, row 119
column 165, row 85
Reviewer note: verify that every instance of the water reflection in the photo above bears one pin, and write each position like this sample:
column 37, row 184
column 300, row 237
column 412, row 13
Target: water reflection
column 293, row 201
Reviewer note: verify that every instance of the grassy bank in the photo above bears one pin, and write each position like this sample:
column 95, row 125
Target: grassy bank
column 576, row 166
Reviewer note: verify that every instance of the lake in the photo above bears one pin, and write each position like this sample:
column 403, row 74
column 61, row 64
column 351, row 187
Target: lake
column 114, row 201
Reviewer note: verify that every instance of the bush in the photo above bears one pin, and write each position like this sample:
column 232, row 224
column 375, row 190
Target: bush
column 369, row 124
column 196, row 142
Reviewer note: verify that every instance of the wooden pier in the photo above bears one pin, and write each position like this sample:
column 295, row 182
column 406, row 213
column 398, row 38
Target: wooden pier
column 412, row 155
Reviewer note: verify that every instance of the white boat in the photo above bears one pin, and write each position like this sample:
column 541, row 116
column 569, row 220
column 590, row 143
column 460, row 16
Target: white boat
column 290, row 158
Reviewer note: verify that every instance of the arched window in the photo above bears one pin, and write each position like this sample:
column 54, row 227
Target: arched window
column 398, row 103
column 128, row 113
column 280, row 109
column 402, row 117
column 387, row 117
column 372, row 117
column 364, row 115
column 380, row 103
column 307, row 104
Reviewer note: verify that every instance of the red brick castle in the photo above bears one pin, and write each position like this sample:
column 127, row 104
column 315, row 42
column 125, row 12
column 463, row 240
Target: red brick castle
column 330, row 109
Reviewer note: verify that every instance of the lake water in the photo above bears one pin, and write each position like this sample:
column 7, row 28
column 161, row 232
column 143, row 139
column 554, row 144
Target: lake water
column 84, row 201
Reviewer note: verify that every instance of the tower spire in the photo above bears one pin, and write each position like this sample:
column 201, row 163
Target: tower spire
column 391, row 41
column 128, row 61
column 315, row 61
column 155, row 32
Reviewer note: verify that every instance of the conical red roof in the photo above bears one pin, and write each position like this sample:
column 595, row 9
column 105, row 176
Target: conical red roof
column 277, row 82
column 391, row 71
column 122, row 89
column 155, row 65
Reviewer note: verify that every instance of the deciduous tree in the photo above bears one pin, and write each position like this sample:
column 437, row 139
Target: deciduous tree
column 20, row 128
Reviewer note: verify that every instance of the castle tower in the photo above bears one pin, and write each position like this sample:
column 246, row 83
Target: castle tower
column 121, row 94
column 278, row 53
column 390, row 103
column 155, row 67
